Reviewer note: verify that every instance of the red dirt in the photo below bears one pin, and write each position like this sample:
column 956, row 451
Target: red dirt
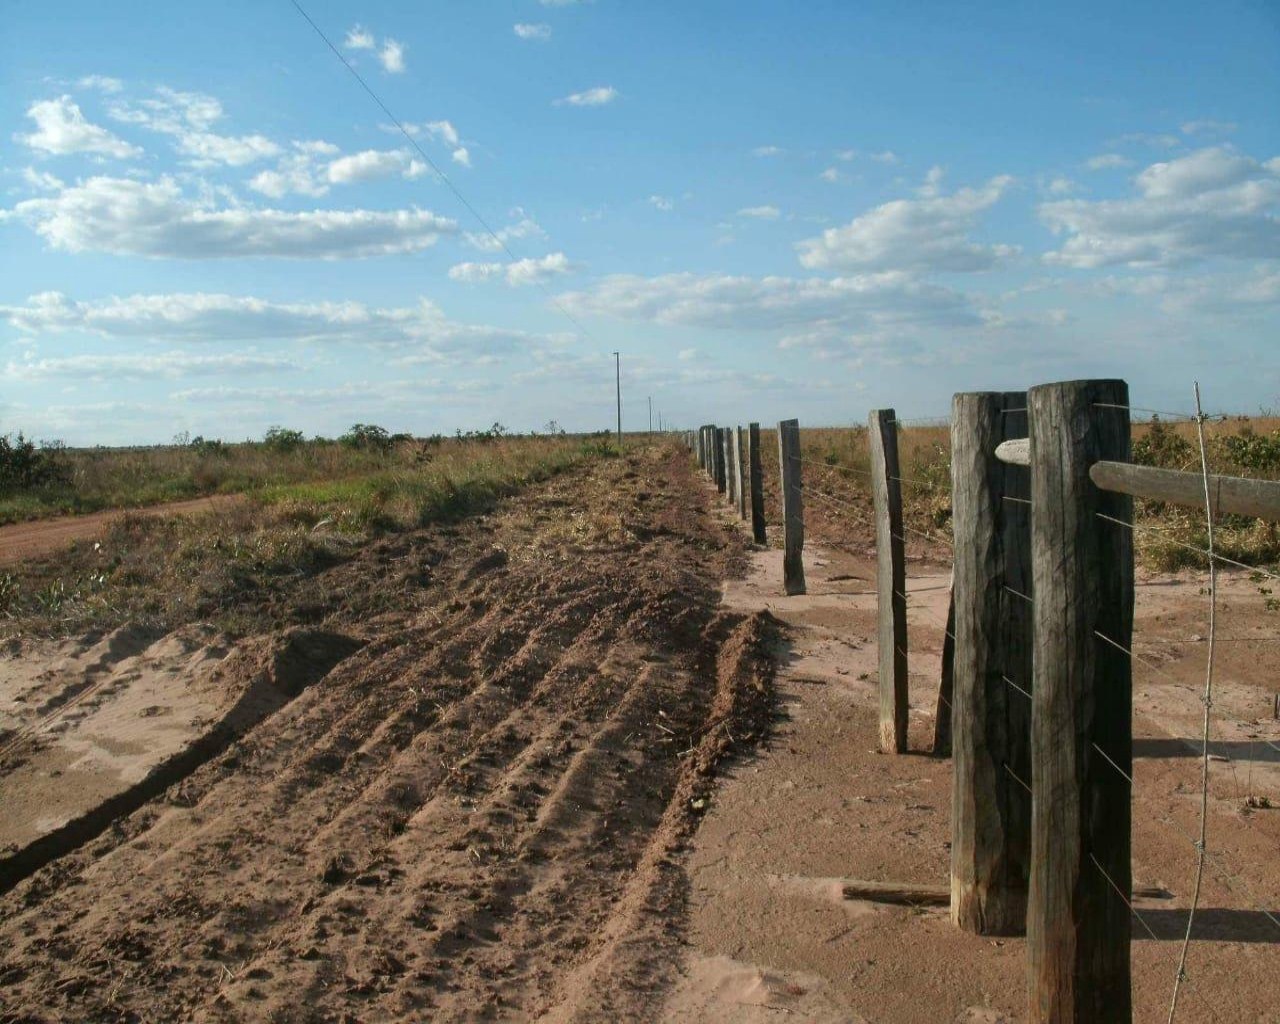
column 21, row 541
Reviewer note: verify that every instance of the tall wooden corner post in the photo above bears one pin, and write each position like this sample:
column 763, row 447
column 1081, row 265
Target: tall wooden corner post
column 991, row 719
column 717, row 436
column 891, row 579
column 757, row 483
column 1078, row 919
column 792, row 507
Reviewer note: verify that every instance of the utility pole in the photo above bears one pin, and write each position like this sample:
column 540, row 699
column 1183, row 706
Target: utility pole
column 617, row 368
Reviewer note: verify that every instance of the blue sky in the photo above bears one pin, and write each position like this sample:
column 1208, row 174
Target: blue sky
column 772, row 210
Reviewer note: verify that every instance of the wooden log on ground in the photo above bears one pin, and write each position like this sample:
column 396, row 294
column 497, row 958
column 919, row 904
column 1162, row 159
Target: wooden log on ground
column 757, row 483
column 991, row 742
column 891, row 579
column 792, row 507
column 1078, row 923
column 942, row 724
column 905, row 893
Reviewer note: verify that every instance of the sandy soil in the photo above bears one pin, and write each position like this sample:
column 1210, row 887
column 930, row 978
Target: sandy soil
column 552, row 776
column 771, row 934
column 477, row 815
column 20, row 541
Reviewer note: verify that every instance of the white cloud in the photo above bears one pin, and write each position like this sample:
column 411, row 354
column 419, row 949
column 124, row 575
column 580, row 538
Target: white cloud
column 391, row 56
column 1060, row 186
column 521, row 272
column 206, row 148
column 442, row 132
column 863, row 303
column 1209, row 127
column 760, row 212
column 831, row 175
column 767, row 151
column 61, row 129
column 686, row 355
column 371, row 164
column 664, row 203
column 930, row 233
column 846, row 155
column 170, row 111
column 214, row 318
column 932, row 182
column 886, row 156
column 359, row 38
column 537, row 32
column 1156, row 140
column 128, row 217
column 1108, row 161
column 1213, row 202
column 525, row 227
column 461, row 156
column 597, row 97
column 101, row 82
column 42, row 180
column 138, row 366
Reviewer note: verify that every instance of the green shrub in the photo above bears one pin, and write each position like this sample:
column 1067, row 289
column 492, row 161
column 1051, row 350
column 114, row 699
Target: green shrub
column 367, row 437
column 282, row 439
column 1160, row 446
column 24, row 465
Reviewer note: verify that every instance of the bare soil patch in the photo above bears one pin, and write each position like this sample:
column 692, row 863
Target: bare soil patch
column 477, row 815
column 772, row 935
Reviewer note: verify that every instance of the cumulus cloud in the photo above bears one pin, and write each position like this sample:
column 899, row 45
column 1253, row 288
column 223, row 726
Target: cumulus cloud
column 925, row 234
column 62, row 129
column 886, row 156
column 391, row 57
column 831, row 175
column 140, row 366
column 1213, row 202
column 760, row 212
column 525, row 227
column 538, row 32
column 1108, row 161
column 767, row 151
column 371, row 164
column 442, row 132
column 188, row 118
column 517, row 273
column 664, row 203
column 212, row 317
column 858, row 304
column 359, row 38
column 597, row 97
column 1208, row 127
column 102, row 83
column 156, row 219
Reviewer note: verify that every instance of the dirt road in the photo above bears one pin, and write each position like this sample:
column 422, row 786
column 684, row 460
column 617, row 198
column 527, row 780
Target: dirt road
column 20, row 541
column 473, row 816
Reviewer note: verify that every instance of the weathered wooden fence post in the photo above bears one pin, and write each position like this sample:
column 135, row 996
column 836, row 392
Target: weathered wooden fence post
column 732, row 476
column 740, row 465
column 698, row 440
column 891, row 579
column 942, row 724
column 757, row 483
column 1078, row 919
column 709, row 451
column 991, row 741
column 717, row 435
column 792, row 507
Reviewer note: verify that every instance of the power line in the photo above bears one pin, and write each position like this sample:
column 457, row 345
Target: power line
column 434, row 166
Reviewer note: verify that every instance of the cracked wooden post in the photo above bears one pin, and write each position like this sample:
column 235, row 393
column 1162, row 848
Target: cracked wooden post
column 717, row 438
column 740, row 465
column 891, row 579
column 1078, row 919
column 991, row 742
column 757, row 483
column 792, row 507
column 732, row 476
column 700, row 451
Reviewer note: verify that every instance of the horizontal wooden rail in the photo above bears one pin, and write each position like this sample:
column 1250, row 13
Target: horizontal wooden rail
column 1227, row 494
column 1234, row 495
